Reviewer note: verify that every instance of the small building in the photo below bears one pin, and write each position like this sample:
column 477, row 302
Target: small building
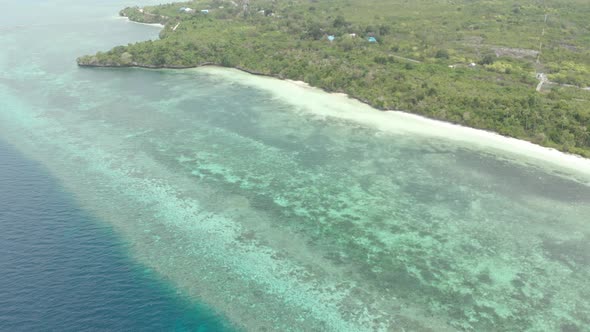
column 352, row 35
column 372, row 39
column 204, row 11
column 331, row 38
column 472, row 65
column 186, row 10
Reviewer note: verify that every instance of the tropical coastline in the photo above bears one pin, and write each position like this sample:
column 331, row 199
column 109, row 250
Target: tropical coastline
column 495, row 93
column 156, row 25
column 273, row 205
column 481, row 137
column 342, row 106
column 454, row 131
column 421, row 124
column 63, row 268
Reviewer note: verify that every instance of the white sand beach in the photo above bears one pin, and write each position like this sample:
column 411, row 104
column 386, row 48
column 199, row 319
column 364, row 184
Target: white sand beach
column 339, row 105
column 156, row 25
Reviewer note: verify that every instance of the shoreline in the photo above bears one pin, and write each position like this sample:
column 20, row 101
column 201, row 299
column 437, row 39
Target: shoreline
column 451, row 131
column 399, row 121
column 419, row 124
column 538, row 137
column 453, row 126
column 127, row 19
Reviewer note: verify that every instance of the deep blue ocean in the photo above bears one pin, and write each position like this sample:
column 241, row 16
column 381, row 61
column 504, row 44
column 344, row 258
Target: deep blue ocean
column 63, row 270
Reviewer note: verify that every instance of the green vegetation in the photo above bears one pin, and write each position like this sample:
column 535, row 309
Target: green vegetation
column 420, row 63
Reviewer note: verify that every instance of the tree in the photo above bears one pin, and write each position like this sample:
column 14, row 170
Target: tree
column 315, row 31
column 384, row 29
column 339, row 22
column 442, row 54
column 488, row 59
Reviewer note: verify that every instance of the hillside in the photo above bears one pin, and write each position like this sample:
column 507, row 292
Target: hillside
column 476, row 63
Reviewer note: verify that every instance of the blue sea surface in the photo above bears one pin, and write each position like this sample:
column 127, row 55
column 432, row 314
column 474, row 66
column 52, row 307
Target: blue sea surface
column 63, row 270
column 204, row 198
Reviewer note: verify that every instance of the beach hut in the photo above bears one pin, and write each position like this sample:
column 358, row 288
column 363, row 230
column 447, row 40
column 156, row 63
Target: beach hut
column 331, row 38
column 372, row 39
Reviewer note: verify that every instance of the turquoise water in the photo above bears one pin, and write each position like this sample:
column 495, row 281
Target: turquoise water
column 61, row 270
column 281, row 216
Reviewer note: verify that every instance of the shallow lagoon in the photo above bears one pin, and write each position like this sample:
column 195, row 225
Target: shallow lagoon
column 281, row 208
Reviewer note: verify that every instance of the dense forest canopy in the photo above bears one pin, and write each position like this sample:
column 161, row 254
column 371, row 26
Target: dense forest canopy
column 473, row 62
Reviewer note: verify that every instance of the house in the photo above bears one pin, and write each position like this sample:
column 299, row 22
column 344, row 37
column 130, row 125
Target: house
column 204, row 11
column 186, row 10
column 372, row 39
column 352, row 35
column 331, row 38
column 472, row 65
